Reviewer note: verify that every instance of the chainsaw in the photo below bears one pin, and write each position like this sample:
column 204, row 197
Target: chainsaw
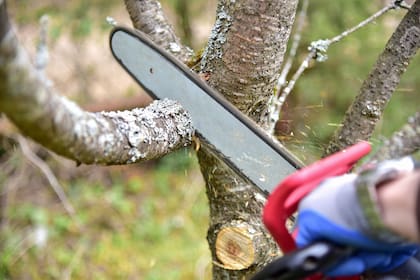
column 245, row 147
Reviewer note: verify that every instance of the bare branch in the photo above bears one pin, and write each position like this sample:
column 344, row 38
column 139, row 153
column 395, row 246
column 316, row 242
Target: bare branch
column 275, row 103
column 63, row 127
column 295, row 44
column 403, row 142
column 35, row 160
column 318, row 50
column 365, row 22
column 4, row 20
column 377, row 89
column 148, row 16
column 42, row 56
column 41, row 59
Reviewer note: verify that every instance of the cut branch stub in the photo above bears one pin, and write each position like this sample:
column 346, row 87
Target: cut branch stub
column 237, row 246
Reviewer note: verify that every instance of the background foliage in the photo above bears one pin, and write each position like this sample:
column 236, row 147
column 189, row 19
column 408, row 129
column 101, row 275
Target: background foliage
column 149, row 221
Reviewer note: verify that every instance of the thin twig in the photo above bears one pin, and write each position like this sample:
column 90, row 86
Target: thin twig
column 27, row 242
column 45, row 169
column 295, row 44
column 9, row 185
column 274, row 108
column 74, row 261
column 41, row 62
column 376, row 15
column 21, row 248
column 318, row 49
column 291, row 84
column 42, row 55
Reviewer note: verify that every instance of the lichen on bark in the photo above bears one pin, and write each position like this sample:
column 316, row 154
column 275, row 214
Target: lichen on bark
column 62, row 126
column 148, row 16
column 404, row 142
column 245, row 52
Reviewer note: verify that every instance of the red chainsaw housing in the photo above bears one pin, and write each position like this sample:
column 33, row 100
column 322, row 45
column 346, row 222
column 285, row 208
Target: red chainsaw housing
column 284, row 200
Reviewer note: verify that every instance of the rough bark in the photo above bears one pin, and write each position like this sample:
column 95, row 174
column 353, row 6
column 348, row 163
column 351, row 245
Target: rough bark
column 147, row 16
column 242, row 61
column 376, row 91
column 238, row 241
column 63, row 127
column 404, row 142
column 245, row 52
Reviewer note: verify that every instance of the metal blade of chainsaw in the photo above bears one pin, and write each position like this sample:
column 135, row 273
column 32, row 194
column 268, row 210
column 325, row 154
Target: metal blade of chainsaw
column 246, row 148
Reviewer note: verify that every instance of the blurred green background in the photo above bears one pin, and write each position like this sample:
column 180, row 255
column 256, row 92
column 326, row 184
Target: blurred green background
column 149, row 220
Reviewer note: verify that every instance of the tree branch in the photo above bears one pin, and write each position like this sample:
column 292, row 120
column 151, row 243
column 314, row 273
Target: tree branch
column 4, row 20
column 148, row 16
column 276, row 103
column 66, row 129
column 49, row 175
column 403, row 142
column 361, row 118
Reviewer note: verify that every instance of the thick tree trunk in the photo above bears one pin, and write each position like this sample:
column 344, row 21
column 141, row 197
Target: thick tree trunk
column 376, row 91
column 238, row 241
column 245, row 52
column 242, row 61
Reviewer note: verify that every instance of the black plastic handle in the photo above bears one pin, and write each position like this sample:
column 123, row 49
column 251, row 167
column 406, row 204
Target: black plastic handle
column 320, row 256
column 303, row 262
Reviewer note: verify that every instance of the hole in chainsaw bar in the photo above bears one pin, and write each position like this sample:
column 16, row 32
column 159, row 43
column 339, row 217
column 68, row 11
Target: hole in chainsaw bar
column 151, row 70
